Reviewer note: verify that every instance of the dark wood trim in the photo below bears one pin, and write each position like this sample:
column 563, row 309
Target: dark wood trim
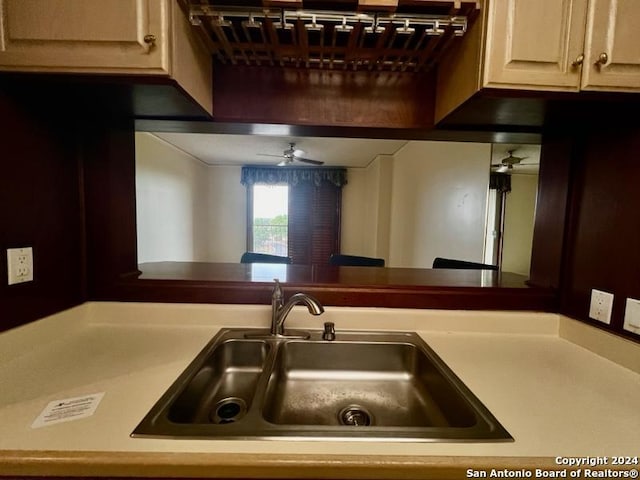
column 554, row 181
column 470, row 134
column 452, row 298
column 290, row 96
column 132, row 96
column 110, row 193
column 337, row 286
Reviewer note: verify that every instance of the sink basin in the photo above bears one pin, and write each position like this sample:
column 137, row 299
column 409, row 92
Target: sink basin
column 224, row 386
column 367, row 386
column 387, row 384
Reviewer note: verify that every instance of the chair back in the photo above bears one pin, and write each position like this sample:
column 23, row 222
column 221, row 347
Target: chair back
column 355, row 261
column 439, row 262
column 253, row 257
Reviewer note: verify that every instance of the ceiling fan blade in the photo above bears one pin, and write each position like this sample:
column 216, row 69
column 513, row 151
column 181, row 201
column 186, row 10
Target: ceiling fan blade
column 512, row 159
column 308, row 160
column 268, row 155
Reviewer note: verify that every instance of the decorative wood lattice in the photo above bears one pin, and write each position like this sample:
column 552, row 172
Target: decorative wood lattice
column 348, row 40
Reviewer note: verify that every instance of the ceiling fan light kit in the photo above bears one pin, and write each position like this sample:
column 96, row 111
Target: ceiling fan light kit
column 292, row 155
column 508, row 163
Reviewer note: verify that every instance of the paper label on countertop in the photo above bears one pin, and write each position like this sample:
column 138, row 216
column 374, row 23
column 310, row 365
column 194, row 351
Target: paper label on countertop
column 68, row 409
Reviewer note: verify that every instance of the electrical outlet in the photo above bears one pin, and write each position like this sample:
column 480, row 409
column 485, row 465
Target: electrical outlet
column 20, row 265
column 601, row 306
column 632, row 316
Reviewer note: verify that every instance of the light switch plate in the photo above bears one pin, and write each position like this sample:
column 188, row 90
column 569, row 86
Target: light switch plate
column 632, row 316
column 601, row 306
column 19, row 265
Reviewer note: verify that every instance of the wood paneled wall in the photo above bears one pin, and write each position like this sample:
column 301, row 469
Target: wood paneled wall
column 602, row 248
column 551, row 210
column 40, row 207
column 109, row 189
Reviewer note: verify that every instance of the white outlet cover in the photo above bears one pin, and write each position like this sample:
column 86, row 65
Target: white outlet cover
column 632, row 316
column 19, row 265
column 601, row 306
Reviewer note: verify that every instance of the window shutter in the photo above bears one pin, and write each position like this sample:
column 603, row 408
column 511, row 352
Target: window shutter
column 314, row 223
column 299, row 240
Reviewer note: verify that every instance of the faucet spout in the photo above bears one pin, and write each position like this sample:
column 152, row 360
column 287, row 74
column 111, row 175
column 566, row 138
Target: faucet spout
column 313, row 305
column 280, row 311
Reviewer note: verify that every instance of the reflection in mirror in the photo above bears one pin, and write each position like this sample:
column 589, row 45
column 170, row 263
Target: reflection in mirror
column 267, row 272
column 405, row 201
column 511, row 206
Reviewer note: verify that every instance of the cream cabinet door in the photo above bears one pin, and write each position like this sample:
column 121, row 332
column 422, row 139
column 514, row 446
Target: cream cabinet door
column 84, row 35
column 534, row 44
column 612, row 48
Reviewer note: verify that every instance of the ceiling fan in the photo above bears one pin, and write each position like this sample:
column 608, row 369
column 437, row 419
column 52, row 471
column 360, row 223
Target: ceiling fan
column 293, row 154
column 508, row 162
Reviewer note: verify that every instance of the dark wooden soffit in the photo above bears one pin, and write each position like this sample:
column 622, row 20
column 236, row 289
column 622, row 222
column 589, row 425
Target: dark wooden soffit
column 437, row 134
column 321, row 98
column 127, row 96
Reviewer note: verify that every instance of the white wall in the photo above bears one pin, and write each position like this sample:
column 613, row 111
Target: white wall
column 366, row 204
column 227, row 215
column 438, row 202
column 518, row 224
column 354, row 228
column 186, row 211
column 169, row 185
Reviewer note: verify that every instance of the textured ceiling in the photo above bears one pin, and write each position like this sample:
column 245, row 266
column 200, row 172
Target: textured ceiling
column 219, row 149
column 223, row 149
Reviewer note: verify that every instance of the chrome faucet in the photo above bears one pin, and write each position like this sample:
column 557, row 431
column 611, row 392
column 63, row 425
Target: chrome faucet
column 280, row 310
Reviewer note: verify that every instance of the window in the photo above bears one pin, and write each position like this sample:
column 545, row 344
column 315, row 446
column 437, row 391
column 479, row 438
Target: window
column 270, row 219
column 308, row 229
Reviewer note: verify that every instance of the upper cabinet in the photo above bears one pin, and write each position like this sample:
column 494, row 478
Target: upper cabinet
column 563, row 45
column 544, row 45
column 119, row 36
column 137, row 37
column 535, row 44
column 612, row 46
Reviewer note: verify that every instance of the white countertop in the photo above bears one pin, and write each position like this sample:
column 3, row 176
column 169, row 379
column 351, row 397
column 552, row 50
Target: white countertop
column 556, row 398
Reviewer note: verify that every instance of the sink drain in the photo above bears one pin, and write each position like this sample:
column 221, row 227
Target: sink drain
column 356, row 416
column 228, row 410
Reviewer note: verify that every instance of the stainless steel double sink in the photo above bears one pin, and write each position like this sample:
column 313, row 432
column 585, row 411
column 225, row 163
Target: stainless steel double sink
column 364, row 386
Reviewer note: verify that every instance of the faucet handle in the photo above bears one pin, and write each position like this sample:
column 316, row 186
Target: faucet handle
column 277, row 290
column 329, row 331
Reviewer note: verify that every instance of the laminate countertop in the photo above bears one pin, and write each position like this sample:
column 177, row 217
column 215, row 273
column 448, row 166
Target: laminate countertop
column 563, row 389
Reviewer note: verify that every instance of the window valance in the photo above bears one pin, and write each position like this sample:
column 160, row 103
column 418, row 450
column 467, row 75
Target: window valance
column 294, row 175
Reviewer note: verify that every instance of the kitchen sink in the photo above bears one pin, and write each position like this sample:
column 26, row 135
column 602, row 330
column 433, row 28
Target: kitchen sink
column 382, row 384
column 362, row 385
column 224, row 386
